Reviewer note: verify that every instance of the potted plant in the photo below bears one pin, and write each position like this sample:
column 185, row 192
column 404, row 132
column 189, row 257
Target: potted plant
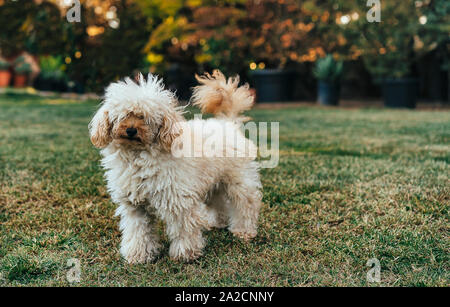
column 391, row 49
column 261, row 35
column 21, row 71
column 21, row 74
column 393, row 71
column 5, row 74
column 275, row 42
column 51, row 77
column 328, row 71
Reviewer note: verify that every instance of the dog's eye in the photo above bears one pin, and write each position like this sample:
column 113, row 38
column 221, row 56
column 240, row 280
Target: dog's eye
column 140, row 117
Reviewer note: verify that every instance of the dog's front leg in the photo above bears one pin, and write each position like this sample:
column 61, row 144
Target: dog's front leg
column 185, row 222
column 139, row 242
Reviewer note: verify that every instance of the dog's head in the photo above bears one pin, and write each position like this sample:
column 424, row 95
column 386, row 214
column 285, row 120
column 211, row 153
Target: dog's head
column 137, row 115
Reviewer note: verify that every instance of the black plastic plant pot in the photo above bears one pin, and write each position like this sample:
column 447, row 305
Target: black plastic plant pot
column 400, row 93
column 74, row 87
column 328, row 93
column 50, row 84
column 59, row 86
column 43, row 84
column 273, row 85
column 181, row 80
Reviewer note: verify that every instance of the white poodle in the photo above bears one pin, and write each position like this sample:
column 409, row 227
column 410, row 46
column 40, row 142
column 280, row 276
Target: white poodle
column 139, row 126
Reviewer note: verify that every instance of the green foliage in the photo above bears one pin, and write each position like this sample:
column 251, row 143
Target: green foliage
column 14, row 25
column 391, row 48
column 19, row 60
column 52, row 67
column 328, row 69
column 166, row 44
column 27, row 25
column 230, row 35
column 4, row 64
column 218, row 39
column 41, row 29
column 119, row 52
column 22, row 68
column 217, row 53
column 438, row 26
column 48, row 30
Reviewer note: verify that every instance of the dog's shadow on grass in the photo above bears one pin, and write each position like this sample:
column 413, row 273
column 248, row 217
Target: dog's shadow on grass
column 219, row 244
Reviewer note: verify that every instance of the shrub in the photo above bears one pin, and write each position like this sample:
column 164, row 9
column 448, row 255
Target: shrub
column 28, row 25
column 4, row 65
column 51, row 67
column 114, row 54
column 19, row 60
column 328, row 69
column 392, row 47
column 22, row 68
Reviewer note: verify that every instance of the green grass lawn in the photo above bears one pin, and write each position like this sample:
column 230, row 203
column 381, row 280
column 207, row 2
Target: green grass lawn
column 351, row 185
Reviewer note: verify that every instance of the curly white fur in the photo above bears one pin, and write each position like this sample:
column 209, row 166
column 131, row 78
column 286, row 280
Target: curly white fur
column 190, row 194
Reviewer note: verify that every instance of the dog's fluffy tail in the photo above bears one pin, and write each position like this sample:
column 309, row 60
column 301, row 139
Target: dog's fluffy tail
column 222, row 97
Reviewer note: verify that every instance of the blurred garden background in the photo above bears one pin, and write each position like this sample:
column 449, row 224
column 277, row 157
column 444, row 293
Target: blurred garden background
column 273, row 44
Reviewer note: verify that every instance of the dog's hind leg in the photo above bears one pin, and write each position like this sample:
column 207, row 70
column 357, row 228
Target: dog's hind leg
column 243, row 188
column 139, row 242
column 218, row 203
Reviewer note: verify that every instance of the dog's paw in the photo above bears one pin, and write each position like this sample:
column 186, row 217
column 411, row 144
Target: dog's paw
column 222, row 222
column 243, row 234
column 188, row 256
column 140, row 255
column 185, row 251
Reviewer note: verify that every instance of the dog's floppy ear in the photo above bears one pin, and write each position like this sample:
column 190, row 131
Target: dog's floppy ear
column 169, row 130
column 100, row 129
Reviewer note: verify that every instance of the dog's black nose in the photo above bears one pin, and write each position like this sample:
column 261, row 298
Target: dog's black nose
column 131, row 132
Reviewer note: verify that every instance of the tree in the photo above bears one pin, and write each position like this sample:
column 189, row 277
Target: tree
column 118, row 51
column 391, row 47
column 16, row 25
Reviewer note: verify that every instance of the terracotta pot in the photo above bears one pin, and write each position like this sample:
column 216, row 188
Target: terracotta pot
column 5, row 78
column 20, row 80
